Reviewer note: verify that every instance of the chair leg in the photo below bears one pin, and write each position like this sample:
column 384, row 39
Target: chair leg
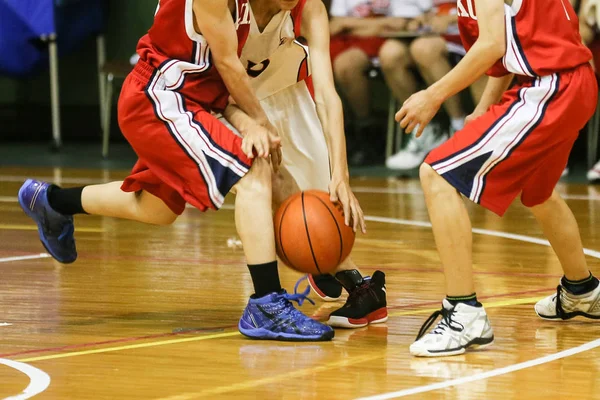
column 107, row 115
column 593, row 132
column 390, row 143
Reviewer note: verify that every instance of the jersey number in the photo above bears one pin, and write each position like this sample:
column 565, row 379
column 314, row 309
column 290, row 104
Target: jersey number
column 468, row 12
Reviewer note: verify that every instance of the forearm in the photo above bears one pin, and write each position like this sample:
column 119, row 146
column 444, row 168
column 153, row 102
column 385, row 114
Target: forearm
column 493, row 91
column 331, row 114
column 358, row 26
column 238, row 118
column 237, row 82
column 480, row 58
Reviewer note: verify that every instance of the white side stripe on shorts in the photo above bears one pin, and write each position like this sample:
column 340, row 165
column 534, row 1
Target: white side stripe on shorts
column 506, row 134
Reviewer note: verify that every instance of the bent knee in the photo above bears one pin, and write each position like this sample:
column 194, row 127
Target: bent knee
column 257, row 180
column 428, row 50
column 394, row 54
column 350, row 63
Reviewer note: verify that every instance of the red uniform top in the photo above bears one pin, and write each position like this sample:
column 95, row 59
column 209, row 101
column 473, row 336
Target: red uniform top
column 542, row 37
column 173, row 47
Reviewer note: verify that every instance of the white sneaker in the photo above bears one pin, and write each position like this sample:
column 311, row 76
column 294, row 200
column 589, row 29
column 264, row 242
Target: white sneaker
column 417, row 149
column 564, row 305
column 594, row 173
column 462, row 326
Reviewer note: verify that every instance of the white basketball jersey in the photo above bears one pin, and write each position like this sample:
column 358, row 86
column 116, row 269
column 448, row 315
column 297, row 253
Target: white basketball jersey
column 274, row 58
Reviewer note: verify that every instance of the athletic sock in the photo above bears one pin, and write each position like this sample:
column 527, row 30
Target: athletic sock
column 265, row 278
column 350, row 279
column 470, row 300
column 66, row 201
column 580, row 287
column 457, row 124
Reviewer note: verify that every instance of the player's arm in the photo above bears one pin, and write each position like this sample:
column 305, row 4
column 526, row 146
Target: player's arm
column 420, row 108
column 329, row 108
column 492, row 94
column 214, row 20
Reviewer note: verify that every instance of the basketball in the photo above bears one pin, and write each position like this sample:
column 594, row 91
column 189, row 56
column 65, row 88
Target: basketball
column 310, row 233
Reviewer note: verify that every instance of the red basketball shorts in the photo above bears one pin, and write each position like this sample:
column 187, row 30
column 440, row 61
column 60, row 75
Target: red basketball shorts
column 521, row 145
column 368, row 45
column 185, row 154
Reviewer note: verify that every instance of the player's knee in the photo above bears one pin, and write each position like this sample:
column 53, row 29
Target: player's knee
column 393, row 55
column 427, row 51
column 429, row 177
column 164, row 219
column 349, row 64
column 257, row 181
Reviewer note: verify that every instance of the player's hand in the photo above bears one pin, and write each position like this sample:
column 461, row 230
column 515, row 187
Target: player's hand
column 474, row 115
column 339, row 191
column 262, row 140
column 418, row 111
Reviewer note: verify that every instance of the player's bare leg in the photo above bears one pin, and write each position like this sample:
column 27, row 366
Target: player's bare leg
column 579, row 292
column 431, row 56
column 349, row 71
column 451, row 230
column 464, row 321
column 270, row 309
column 110, row 201
column 396, row 61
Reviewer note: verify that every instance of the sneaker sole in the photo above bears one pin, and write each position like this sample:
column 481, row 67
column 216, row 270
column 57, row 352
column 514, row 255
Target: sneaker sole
column 318, row 291
column 571, row 316
column 376, row 317
column 263, row 334
column 475, row 344
column 31, row 215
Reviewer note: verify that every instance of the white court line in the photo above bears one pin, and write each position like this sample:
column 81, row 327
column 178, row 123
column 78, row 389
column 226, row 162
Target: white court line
column 379, row 190
column 38, row 379
column 21, row 258
column 485, row 375
column 5, row 324
column 498, row 371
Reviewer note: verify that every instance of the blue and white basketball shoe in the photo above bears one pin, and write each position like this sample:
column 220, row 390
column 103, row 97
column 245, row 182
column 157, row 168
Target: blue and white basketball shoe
column 55, row 229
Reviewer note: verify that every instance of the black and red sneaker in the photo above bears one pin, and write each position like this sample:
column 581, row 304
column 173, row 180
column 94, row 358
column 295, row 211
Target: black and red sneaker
column 366, row 302
column 326, row 287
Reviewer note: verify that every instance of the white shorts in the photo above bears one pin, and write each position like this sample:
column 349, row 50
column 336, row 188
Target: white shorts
column 293, row 112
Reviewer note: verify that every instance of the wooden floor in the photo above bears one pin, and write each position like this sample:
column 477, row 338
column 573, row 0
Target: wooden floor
column 151, row 313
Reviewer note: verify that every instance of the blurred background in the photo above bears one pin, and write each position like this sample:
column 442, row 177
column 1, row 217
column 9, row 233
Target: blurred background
column 62, row 63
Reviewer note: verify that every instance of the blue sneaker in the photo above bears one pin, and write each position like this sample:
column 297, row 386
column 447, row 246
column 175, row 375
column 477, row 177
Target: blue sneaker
column 274, row 317
column 55, row 229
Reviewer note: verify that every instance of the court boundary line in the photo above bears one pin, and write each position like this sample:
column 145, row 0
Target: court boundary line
column 38, row 379
column 419, row 389
column 489, row 374
column 23, row 258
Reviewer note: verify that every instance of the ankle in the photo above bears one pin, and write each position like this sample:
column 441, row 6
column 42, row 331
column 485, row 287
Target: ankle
column 579, row 287
column 470, row 300
column 350, row 279
column 265, row 278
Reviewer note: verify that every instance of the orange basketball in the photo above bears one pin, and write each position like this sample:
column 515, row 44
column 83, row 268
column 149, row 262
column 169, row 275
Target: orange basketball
column 310, row 233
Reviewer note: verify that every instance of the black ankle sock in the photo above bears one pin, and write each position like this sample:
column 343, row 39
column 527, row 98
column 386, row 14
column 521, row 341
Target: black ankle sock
column 580, row 287
column 350, row 279
column 66, row 201
column 470, row 300
column 265, row 278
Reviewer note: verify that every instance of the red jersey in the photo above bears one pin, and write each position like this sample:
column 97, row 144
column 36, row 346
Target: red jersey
column 182, row 55
column 542, row 37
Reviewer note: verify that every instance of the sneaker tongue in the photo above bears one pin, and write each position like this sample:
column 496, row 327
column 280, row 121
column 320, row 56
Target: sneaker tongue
column 447, row 305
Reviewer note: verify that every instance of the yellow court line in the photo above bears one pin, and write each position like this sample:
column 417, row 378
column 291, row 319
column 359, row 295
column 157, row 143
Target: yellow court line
column 130, row 347
column 34, row 228
column 493, row 304
column 502, row 303
column 252, row 383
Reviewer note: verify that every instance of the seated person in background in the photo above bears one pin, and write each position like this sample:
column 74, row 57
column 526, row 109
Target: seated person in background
column 356, row 27
column 432, row 54
column 589, row 15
